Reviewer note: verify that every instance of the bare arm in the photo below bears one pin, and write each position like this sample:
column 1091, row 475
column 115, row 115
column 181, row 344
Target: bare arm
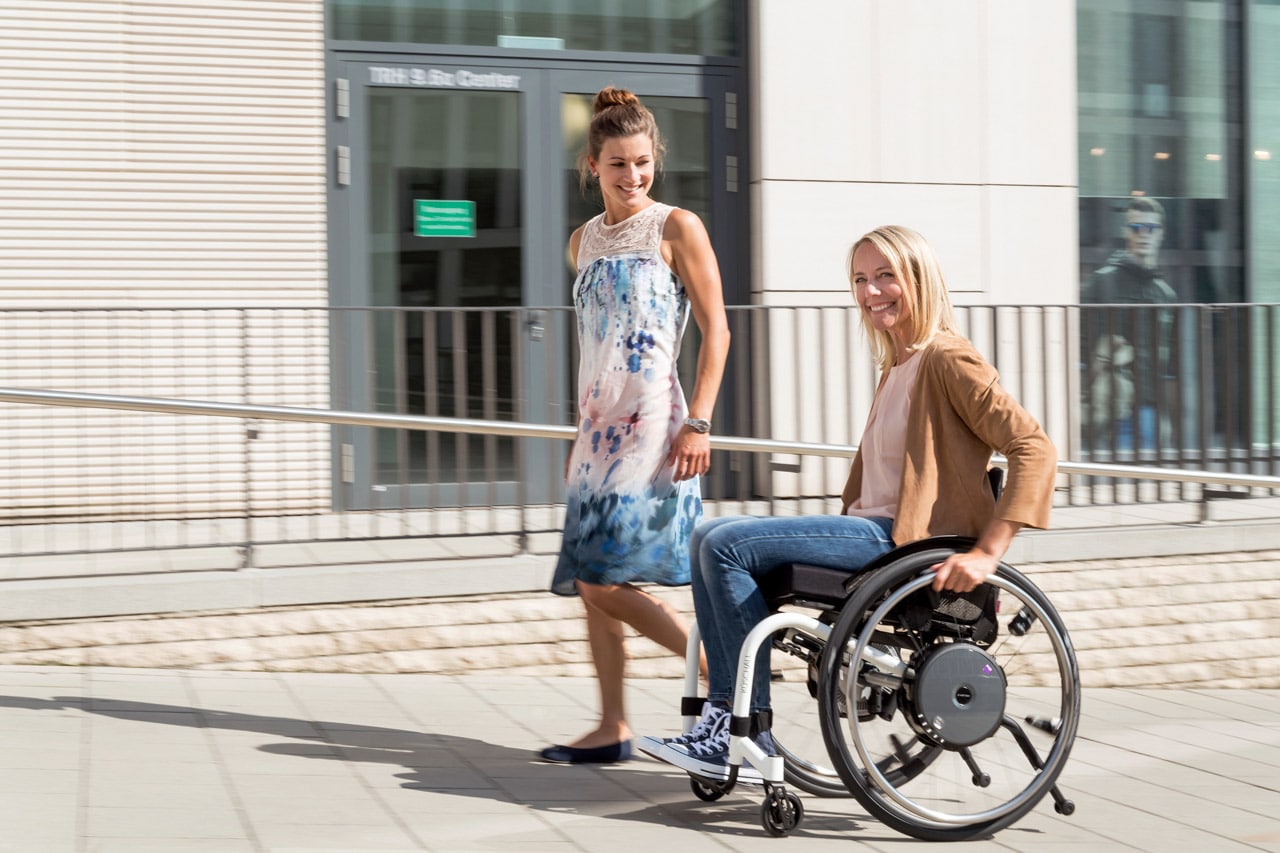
column 694, row 261
column 571, row 255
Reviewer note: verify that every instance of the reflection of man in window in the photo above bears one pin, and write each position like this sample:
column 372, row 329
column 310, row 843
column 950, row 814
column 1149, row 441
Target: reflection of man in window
column 1128, row 351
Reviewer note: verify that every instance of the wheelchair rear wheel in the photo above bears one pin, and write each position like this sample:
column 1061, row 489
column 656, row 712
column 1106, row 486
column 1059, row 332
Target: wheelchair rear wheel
column 941, row 689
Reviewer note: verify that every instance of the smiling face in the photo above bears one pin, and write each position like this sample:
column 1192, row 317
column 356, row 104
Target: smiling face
column 625, row 167
column 880, row 296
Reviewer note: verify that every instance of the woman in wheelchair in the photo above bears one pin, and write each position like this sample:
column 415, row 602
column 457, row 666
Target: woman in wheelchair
column 921, row 471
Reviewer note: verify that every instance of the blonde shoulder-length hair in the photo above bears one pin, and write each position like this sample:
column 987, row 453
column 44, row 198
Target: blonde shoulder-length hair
column 923, row 289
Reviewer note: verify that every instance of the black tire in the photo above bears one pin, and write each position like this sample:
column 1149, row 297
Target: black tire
column 781, row 813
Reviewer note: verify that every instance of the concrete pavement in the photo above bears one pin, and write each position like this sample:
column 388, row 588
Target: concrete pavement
column 95, row 759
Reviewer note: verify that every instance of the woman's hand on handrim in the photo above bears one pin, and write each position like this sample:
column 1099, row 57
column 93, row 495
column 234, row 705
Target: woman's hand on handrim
column 964, row 572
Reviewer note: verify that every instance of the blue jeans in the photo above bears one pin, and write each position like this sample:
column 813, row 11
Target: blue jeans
column 728, row 554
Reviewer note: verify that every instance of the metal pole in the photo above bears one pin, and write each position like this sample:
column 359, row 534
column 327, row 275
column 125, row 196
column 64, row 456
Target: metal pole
column 246, row 551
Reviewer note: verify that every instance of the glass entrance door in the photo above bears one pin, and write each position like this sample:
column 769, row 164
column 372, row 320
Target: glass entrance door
column 446, row 249
column 450, row 278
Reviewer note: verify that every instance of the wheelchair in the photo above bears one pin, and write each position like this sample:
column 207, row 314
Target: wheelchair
column 948, row 717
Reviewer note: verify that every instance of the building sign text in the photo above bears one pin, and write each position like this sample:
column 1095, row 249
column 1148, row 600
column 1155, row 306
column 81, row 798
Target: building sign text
column 436, row 78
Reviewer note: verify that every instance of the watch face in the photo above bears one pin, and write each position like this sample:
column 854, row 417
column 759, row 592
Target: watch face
column 698, row 424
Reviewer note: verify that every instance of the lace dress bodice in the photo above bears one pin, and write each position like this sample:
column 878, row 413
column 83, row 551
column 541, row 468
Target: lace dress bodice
column 641, row 232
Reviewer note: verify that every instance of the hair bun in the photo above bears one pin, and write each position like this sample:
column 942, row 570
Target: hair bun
column 613, row 97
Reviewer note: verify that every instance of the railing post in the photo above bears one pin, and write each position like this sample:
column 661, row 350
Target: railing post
column 521, row 320
column 250, row 433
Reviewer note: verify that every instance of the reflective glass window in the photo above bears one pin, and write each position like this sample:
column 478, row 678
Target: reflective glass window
column 1163, row 170
column 444, row 232
column 1160, row 118
column 1263, row 149
column 696, row 27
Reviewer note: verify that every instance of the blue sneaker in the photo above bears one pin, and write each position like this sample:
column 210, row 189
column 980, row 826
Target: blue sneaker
column 708, row 756
column 710, row 721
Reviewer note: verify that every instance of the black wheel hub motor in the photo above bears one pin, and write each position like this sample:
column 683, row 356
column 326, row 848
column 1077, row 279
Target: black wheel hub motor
column 957, row 697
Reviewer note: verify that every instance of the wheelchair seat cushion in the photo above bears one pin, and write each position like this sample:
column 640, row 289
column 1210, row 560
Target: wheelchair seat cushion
column 802, row 584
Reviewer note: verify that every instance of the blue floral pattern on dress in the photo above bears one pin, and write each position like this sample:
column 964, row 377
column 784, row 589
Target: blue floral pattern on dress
column 626, row 521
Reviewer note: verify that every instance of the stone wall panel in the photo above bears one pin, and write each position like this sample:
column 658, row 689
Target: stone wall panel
column 1177, row 622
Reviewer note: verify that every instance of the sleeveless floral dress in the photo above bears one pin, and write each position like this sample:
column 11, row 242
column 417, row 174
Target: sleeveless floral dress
column 626, row 521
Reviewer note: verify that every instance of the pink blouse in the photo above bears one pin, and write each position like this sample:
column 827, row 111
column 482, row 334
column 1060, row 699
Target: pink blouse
column 884, row 443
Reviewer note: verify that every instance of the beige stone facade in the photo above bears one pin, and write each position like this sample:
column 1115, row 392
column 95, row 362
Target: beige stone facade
column 1198, row 621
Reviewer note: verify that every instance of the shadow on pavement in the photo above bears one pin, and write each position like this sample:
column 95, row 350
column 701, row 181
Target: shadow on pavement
column 462, row 766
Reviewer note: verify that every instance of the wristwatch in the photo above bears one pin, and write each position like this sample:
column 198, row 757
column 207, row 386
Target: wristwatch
column 700, row 425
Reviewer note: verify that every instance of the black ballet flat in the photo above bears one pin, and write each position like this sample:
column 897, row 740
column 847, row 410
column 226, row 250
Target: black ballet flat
column 620, row 751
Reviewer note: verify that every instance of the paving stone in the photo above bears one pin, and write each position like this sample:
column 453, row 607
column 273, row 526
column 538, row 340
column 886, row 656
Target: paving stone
column 300, row 761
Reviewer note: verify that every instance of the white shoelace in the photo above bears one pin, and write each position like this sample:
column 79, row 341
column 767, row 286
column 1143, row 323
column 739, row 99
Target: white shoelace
column 716, row 740
column 706, row 724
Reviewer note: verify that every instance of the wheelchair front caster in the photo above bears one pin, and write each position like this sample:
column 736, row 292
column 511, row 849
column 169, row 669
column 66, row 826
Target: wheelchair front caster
column 706, row 792
column 1066, row 808
column 781, row 812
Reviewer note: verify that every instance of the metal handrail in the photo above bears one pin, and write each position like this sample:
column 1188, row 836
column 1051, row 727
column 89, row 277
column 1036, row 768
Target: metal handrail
column 475, row 426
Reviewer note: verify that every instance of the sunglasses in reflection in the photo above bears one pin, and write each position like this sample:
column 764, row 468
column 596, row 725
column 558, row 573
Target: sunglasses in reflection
column 1142, row 227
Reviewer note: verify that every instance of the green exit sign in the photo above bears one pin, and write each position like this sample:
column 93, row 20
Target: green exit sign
column 435, row 218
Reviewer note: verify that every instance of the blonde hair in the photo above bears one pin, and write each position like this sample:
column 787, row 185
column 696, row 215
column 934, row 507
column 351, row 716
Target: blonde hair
column 618, row 113
column 924, row 290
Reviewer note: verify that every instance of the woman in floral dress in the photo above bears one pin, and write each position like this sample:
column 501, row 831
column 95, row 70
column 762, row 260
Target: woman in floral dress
column 632, row 475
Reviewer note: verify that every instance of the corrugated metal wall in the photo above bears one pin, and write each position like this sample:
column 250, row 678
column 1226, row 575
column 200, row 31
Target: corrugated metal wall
column 157, row 153
column 162, row 152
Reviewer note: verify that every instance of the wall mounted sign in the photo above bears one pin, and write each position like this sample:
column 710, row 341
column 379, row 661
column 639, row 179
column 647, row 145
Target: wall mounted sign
column 437, row 218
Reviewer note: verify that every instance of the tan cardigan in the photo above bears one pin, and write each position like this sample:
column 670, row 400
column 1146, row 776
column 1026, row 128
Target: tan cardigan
column 959, row 414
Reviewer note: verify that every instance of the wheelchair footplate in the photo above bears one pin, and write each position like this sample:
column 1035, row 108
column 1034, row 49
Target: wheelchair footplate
column 781, row 811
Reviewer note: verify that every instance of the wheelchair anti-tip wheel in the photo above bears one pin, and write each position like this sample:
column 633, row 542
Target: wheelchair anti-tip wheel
column 923, row 700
